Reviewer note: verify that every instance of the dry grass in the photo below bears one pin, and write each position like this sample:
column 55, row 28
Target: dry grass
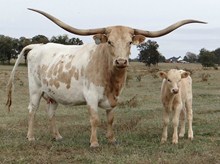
column 138, row 125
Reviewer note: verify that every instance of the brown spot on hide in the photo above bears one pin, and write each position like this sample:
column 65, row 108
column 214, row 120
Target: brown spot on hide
column 41, row 71
column 56, row 74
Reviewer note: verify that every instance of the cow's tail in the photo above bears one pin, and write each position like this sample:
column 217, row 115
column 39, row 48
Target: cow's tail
column 10, row 85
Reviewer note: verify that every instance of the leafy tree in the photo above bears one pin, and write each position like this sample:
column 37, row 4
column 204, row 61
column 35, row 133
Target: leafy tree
column 8, row 48
column 75, row 41
column 206, row 58
column 162, row 58
column 64, row 39
column 217, row 55
column 39, row 39
column 191, row 57
column 22, row 43
column 148, row 53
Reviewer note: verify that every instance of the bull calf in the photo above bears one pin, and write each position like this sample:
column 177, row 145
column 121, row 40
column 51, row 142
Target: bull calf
column 176, row 96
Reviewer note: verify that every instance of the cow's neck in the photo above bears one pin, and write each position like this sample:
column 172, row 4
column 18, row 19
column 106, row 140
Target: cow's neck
column 115, row 85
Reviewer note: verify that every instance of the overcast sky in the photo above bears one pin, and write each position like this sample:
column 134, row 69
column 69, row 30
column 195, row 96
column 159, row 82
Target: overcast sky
column 17, row 21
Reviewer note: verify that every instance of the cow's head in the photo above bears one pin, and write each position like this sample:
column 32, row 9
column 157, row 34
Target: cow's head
column 118, row 38
column 173, row 78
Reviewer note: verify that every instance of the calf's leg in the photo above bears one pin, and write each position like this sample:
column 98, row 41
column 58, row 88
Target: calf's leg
column 190, row 118
column 182, row 122
column 176, row 115
column 165, row 125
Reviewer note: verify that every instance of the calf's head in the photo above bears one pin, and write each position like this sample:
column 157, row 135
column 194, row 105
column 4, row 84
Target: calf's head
column 173, row 78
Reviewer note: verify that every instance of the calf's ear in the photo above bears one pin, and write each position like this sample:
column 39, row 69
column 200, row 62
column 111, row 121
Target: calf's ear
column 185, row 74
column 100, row 38
column 162, row 74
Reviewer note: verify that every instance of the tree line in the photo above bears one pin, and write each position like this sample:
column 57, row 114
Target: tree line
column 11, row 47
column 205, row 57
column 149, row 54
column 148, row 51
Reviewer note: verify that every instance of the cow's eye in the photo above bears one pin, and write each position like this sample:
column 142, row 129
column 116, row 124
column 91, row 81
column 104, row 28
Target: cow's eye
column 110, row 43
column 168, row 80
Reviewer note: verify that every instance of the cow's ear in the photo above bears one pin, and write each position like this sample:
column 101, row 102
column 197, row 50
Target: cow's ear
column 185, row 74
column 100, row 38
column 138, row 39
column 162, row 74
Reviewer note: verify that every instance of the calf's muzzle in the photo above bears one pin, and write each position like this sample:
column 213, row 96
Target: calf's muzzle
column 175, row 90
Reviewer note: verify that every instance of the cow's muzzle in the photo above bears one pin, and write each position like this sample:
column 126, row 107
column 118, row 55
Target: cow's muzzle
column 121, row 63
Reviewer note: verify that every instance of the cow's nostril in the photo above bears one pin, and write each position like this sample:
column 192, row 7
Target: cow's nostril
column 121, row 63
column 116, row 62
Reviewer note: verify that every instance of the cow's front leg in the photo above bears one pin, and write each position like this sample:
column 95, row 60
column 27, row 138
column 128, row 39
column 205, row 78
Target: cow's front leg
column 110, row 134
column 94, row 120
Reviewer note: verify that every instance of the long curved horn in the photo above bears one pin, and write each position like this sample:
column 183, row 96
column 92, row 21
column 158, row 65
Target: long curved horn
column 153, row 34
column 69, row 28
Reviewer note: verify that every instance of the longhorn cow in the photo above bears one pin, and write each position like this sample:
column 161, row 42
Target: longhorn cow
column 91, row 74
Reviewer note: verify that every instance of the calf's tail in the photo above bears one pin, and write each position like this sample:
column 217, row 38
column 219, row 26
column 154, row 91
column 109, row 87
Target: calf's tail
column 10, row 85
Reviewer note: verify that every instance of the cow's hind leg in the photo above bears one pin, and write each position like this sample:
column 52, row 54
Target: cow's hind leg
column 110, row 134
column 33, row 106
column 52, row 106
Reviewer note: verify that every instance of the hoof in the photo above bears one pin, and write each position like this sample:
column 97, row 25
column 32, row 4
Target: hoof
column 190, row 138
column 181, row 135
column 94, row 145
column 174, row 142
column 58, row 138
column 163, row 141
column 112, row 141
column 30, row 138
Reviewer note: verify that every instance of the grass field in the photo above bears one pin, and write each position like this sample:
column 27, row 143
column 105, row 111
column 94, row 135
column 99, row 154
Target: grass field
column 138, row 124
